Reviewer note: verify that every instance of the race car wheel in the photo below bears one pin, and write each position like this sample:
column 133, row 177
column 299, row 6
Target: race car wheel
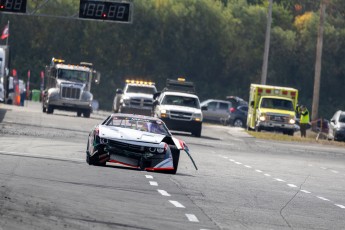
column 98, row 159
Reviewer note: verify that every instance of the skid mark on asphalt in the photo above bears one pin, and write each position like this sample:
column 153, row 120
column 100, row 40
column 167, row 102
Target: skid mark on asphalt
column 288, row 184
column 190, row 217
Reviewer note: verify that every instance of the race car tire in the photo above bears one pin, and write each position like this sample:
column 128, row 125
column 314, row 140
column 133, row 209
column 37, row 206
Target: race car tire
column 96, row 158
column 79, row 114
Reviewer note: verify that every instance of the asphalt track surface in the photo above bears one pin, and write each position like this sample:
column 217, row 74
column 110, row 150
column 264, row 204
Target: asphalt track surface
column 242, row 182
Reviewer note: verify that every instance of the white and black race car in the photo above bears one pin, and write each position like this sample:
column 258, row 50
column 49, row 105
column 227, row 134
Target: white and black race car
column 137, row 141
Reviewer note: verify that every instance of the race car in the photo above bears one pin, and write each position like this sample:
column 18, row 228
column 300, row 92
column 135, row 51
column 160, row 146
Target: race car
column 136, row 141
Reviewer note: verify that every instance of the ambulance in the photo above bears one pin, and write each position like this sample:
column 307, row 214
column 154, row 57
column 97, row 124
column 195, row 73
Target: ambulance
column 272, row 108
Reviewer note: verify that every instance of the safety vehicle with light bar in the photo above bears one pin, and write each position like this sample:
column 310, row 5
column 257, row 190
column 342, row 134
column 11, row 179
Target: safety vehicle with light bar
column 136, row 97
column 272, row 108
column 68, row 87
column 136, row 141
column 179, row 107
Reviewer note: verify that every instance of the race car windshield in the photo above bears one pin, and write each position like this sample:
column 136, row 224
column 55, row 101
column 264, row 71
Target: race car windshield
column 151, row 126
column 181, row 101
column 276, row 103
column 73, row 75
column 140, row 89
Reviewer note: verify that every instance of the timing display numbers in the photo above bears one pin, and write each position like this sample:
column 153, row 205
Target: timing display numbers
column 14, row 6
column 105, row 10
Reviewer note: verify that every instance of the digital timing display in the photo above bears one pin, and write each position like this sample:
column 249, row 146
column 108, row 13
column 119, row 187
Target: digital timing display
column 15, row 6
column 105, row 10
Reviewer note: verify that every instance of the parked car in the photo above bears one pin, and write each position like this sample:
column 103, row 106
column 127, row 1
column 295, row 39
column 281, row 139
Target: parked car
column 337, row 126
column 236, row 101
column 238, row 116
column 217, row 110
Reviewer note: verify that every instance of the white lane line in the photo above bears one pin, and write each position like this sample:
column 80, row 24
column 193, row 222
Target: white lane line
column 248, row 166
column 292, row 185
column 192, row 218
column 280, row 180
column 322, row 198
column 266, row 174
column 339, row 205
column 334, row 171
column 305, row 191
column 259, row 171
column 176, row 204
column 239, row 163
column 310, row 165
column 153, row 183
column 225, row 157
column 163, row 192
column 232, row 160
column 149, row 176
column 323, row 168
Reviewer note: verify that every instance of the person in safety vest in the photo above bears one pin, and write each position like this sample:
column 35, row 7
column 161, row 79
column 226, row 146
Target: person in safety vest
column 304, row 119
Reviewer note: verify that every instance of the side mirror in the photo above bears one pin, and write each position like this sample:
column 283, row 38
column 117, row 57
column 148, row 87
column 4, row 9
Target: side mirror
column 119, row 91
column 204, row 108
column 333, row 121
column 155, row 95
column 97, row 78
column 155, row 103
column 252, row 104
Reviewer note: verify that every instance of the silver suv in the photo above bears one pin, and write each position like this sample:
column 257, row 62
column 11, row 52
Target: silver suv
column 217, row 110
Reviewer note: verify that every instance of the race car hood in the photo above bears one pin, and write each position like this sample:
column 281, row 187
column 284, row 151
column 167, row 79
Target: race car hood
column 180, row 108
column 111, row 132
column 138, row 95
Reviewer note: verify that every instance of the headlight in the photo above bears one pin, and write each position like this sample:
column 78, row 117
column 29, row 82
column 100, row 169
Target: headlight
column 197, row 116
column 164, row 113
column 125, row 100
column 262, row 117
column 292, row 121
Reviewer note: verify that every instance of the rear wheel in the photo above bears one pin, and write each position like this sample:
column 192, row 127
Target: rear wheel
column 238, row 123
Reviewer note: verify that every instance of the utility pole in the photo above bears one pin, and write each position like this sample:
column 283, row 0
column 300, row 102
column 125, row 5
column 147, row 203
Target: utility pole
column 317, row 77
column 267, row 44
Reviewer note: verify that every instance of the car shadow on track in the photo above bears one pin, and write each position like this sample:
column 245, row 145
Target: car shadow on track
column 111, row 166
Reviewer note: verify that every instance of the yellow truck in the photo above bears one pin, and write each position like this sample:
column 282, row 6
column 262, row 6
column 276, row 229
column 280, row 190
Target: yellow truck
column 272, row 108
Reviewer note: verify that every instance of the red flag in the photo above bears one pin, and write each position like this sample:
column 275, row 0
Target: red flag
column 5, row 33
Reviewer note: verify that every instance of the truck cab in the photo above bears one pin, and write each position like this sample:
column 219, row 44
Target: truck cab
column 272, row 108
column 136, row 97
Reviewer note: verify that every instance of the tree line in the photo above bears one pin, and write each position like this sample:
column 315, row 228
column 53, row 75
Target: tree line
column 218, row 44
